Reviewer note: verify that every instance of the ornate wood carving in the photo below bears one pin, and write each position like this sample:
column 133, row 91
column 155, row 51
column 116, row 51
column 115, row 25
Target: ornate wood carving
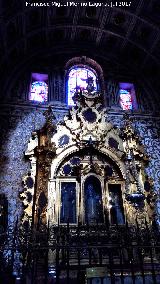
column 43, row 151
column 87, row 133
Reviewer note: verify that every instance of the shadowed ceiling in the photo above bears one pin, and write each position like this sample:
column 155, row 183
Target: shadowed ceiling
column 125, row 41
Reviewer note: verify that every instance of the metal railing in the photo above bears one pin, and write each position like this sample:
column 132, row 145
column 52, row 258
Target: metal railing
column 80, row 254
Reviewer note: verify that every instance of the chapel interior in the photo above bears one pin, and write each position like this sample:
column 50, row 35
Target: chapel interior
column 80, row 142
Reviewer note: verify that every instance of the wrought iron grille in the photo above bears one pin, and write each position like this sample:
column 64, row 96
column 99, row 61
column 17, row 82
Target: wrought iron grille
column 83, row 254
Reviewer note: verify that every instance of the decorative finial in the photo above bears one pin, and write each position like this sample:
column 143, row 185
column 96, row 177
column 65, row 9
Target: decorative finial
column 50, row 117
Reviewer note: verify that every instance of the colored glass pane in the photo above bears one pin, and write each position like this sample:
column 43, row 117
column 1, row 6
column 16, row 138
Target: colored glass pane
column 77, row 79
column 126, row 99
column 39, row 91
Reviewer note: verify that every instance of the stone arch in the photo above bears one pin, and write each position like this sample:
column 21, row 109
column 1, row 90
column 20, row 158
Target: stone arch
column 83, row 60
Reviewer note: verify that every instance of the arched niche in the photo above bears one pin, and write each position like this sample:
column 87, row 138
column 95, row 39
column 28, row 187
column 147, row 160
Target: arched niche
column 68, row 202
column 80, row 187
column 115, row 204
column 93, row 200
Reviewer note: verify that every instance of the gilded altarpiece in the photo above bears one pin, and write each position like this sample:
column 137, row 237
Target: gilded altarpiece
column 86, row 170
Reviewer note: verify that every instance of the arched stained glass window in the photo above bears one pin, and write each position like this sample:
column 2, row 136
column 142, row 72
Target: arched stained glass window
column 39, row 88
column 127, row 96
column 77, row 79
column 125, row 99
column 39, row 91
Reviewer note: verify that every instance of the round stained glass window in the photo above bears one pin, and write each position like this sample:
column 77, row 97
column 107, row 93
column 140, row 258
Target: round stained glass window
column 39, row 91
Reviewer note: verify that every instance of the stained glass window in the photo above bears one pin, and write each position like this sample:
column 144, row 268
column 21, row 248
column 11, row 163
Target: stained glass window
column 39, row 88
column 125, row 99
column 77, row 79
column 127, row 96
